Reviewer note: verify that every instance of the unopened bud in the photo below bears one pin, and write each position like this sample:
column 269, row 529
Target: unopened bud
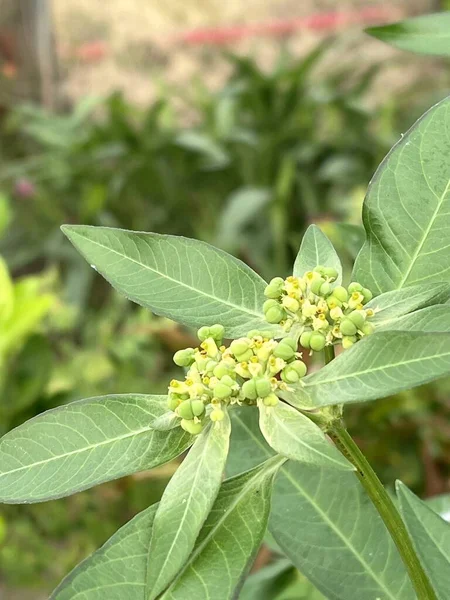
column 348, row 327
column 191, row 426
column 271, row 400
column 184, row 358
column 317, row 341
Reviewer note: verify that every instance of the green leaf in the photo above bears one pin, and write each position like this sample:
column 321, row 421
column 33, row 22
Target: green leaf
column 377, row 366
column 441, row 505
column 430, row 319
column 406, row 212
column 117, row 570
column 396, row 303
column 322, row 520
column 431, row 539
column 186, row 503
column 292, row 434
column 82, row 444
column 316, row 249
column 427, row 34
column 186, row 280
column 230, row 538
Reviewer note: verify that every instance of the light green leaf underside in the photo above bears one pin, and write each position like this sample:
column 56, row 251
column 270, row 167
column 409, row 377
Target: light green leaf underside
column 117, row 570
column 295, row 436
column 427, row 34
column 230, row 538
column 430, row 319
column 82, row 444
column 406, row 212
column 379, row 365
column 316, row 249
column 185, row 505
column 431, row 539
column 396, row 303
column 323, row 521
column 186, row 280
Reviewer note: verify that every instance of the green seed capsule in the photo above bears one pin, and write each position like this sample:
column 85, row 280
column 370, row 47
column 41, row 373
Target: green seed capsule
column 291, row 304
column 275, row 288
column 210, row 366
column 198, row 408
column 191, row 427
column 358, row 317
column 354, row 287
column 333, row 302
column 185, row 410
column 367, row 328
column 319, row 269
column 330, row 272
column 254, row 333
column 340, row 293
column 203, row 333
column 173, row 402
column 249, row 389
column 227, row 380
column 268, row 304
column 325, row 289
column 367, row 294
column 294, row 371
column 217, row 332
column 348, row 341
column 271, row 400
column 263, row 387
column 246, row 356
column 305, row 339
column 317, row 341
column 222, row 369
column 284, row 351
column 222, row 391
column 184, row 358
column 317, row 284
column 275, row 314
column 348, row 327
column 240, row 346
column 289, row 342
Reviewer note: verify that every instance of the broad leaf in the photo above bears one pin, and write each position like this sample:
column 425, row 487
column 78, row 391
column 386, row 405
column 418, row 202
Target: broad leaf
column 431, row 539
column 430, row 319
column 82, row 444
column 117, row 570
column 391, row 305
column 185, row 505
column 441, row 505
column 427, row 34
column 292, row 434
column 316, row 249
column 230, row 538
column 322, row 520
column 377, row 366
column 406, row 212
column 186, row 280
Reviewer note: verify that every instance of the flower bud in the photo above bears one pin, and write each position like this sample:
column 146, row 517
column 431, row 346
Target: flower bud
column 319, row 269
column 290, row 342
column 184, row 358
column 271, row 400
column 367, row 328
column 305, row 339
column 348, row 327
column 222, row 368
column 240, row 346
column 211, row 365
column 317, row 341
column 354, row 287
column 291, row 304
column 316, row 284
column 227, row 380
column 197, row 407
column 330, row 273
column 275, row 314
column 222, row 391
column 340, row 293
column 249, row 389
column 275, row 288
column 325, row 289
column 185, row 410
column 217, row 415
column 217, row 332
column 348, row 341
column 367, row 295
column 245, row 357
column 263, row 387
column 191, row 427
column 358, row 317
column 293, row 371
column 203, row 333
column 284, row 351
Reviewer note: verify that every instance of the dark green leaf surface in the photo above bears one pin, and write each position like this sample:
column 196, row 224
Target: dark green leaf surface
column 82, row 444
column 316, row 249
column 379, row 365
column 293, row 435
column 406, row 212
column 323, row 520
column 427, row 34
column 186, row 280
column 186, row 503
column 431, row 539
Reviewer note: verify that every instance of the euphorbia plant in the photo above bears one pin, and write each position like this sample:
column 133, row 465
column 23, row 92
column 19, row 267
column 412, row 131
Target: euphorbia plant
column 247, row 406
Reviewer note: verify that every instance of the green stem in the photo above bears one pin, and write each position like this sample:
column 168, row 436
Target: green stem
column 385, row 507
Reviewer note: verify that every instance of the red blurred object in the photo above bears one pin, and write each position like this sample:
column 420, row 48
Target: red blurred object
column 24, row 188
column 91, row 51
column 318, row 22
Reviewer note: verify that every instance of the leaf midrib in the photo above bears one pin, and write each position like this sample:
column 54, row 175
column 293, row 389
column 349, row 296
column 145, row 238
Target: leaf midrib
column 177, row 281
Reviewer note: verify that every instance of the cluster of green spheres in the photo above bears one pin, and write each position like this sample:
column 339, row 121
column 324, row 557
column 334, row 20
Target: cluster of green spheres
column 251, row 368
column 320, row 311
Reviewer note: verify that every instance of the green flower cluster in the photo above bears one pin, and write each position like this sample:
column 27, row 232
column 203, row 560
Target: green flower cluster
column 320, row 312
column 252, row 368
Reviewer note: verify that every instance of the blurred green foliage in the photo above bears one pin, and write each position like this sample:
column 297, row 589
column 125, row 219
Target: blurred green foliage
column 247, row 168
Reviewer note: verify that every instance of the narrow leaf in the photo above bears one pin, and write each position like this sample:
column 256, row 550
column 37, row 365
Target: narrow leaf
column 117, row 570
column 406, row 212
column 82, row 444
column 185, row 505
column 230, row 538
column 396, row 303
column 431, row 539
column 186, row 280
column 322, row 521
column 427, row 34
column 293, row 435
column 377, row 366
column 316, row 249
